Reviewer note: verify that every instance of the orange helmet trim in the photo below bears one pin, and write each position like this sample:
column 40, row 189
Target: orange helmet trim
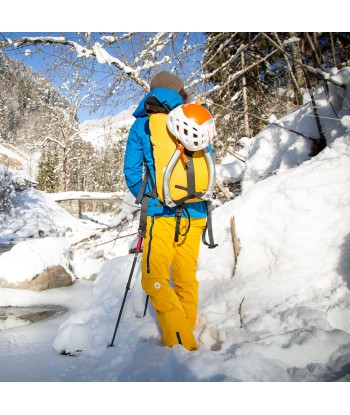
column 196, row 113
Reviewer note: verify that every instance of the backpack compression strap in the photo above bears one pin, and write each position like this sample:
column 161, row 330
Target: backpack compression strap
column 209, row 228
column 191, row 192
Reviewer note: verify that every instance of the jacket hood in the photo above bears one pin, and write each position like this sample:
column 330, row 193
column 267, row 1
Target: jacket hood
column 166, row 96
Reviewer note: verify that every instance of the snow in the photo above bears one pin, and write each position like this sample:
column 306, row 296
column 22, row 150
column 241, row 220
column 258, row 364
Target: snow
column 345, row 121
column 107, row 130
column 280, row 314
column 35, row 256
column 73, row 195
column 102, row 56
column 34, row 214
column 230, row 169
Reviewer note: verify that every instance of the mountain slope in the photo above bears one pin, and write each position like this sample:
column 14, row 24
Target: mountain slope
column 103, row 132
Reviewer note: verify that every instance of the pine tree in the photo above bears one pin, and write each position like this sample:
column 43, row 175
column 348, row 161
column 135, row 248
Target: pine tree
column 7, row 189
column 47, row 178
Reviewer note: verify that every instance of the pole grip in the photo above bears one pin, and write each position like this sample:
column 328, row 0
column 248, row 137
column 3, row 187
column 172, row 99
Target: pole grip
column 139, row 244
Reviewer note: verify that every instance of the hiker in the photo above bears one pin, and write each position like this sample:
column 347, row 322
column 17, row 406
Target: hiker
column 172, row 234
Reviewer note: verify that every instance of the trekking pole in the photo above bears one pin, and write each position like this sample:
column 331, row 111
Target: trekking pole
column 146, row 304
column 138, row 250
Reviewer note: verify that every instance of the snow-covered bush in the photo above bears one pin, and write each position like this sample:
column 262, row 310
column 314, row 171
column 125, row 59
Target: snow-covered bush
column 288, row 142
column 7, row 188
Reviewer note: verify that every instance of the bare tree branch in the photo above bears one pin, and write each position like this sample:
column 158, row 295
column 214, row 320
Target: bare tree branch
column 240, row 73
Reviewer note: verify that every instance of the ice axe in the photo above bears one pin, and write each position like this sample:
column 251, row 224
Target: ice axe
column 138, row 250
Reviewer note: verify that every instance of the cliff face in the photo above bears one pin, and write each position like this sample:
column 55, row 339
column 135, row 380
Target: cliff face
column 12, row 157
column 28, row 102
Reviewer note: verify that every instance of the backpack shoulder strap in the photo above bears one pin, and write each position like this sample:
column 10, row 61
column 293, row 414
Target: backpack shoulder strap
column 154, row 106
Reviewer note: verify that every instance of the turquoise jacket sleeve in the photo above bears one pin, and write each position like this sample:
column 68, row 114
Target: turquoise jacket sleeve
column 133, row 165
column 138, row 151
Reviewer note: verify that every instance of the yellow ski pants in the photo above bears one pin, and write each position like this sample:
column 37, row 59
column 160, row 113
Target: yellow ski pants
column 176, row 305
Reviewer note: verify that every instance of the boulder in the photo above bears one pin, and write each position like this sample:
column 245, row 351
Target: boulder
column 52, row 277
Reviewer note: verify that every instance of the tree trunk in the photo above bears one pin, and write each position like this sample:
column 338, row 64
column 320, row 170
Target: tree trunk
column 318, row 49
column 245, row 100
column 313, row 48
column 299, row 74
column 295, row 81
column 333, row 49
column 63, row 185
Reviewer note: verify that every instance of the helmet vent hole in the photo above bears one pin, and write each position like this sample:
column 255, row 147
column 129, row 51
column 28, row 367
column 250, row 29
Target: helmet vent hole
column 185, row 131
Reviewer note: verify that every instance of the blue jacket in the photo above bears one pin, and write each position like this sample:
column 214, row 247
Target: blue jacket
column 139, row 149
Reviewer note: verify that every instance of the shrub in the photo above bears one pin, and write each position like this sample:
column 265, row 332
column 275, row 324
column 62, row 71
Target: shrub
column 7, row 188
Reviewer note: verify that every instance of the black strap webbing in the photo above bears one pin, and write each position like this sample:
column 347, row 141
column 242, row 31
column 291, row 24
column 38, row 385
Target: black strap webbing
column 191, row 180
column 209, row 229
column 154, row 106
column 178, row 215
column 143, row 217
column 142, row 189
column 143, row 198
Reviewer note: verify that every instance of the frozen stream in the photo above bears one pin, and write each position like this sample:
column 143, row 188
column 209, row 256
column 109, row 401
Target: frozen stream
column 5, row 248
column 21, row 316
column 26, row 353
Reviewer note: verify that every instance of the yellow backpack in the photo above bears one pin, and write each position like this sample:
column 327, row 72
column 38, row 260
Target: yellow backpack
column 182, row 176
column 164, row 147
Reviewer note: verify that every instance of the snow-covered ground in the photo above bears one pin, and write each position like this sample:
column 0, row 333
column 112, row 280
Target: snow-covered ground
column 281, row 314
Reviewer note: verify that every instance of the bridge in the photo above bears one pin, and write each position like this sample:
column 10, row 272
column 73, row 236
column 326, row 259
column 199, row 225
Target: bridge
column 73, row 201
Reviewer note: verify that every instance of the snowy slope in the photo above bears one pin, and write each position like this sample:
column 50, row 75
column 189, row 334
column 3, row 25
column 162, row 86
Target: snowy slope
column 107, row 130
column 283, row 315
column 294, row 283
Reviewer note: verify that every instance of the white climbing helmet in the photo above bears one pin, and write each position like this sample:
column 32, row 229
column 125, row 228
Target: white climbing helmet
column 192, row 125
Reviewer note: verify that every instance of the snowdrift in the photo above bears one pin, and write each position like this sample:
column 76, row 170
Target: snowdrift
column 32, row 216
column 283, row 313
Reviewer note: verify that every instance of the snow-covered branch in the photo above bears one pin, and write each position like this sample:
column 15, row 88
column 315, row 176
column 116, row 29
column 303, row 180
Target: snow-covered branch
column 97, row 51
column 231, row 59
column 111, row 39
column 154, row 46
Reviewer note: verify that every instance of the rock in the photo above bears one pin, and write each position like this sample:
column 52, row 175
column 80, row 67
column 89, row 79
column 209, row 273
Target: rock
column 52, row 277
column 97, row 254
